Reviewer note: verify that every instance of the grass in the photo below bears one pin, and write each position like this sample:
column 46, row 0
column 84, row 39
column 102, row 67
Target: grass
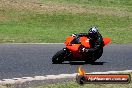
column 73, row 84
column 48, row 23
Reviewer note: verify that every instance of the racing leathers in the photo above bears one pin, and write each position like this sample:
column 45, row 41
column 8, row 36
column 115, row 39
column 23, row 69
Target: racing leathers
column 95, row 43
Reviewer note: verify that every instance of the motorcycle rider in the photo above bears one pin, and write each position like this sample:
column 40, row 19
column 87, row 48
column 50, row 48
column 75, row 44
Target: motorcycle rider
column 95, row 40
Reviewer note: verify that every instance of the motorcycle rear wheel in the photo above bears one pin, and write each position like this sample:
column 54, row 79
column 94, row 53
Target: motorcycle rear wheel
column 93, row 58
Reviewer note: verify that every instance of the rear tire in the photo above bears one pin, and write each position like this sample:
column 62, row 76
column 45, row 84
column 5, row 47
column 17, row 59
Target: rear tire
column 96, row 56
column 100, row 52
column 58, row 58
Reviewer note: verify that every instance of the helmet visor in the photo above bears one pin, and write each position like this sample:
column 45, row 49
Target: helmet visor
column 92, row 35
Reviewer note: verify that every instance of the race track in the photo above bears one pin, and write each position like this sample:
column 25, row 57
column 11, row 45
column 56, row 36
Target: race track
column 24, row 60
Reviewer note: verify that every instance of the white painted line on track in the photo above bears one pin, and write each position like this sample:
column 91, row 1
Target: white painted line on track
column 50, row 77
column 29, row 43
column 109, row 72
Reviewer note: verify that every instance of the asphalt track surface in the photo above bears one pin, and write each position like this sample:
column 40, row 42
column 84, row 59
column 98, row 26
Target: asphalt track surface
column 27, row 60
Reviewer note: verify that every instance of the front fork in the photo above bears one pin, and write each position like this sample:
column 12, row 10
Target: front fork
column 67, row 54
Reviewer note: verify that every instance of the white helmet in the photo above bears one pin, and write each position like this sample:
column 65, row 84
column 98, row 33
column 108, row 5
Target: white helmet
column 93, row 32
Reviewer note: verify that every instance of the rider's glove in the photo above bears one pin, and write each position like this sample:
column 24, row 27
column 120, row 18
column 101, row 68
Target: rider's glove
column 73, row 35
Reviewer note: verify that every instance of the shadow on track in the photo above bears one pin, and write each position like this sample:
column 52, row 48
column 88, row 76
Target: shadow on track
column 84, row 63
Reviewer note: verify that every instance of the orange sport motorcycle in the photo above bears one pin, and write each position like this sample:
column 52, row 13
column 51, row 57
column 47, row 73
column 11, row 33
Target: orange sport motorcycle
column 72, row 51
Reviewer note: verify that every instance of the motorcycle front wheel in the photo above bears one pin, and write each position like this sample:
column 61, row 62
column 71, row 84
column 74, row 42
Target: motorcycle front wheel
column 58, row 58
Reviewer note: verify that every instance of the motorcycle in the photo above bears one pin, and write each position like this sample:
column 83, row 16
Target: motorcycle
column 72, row 51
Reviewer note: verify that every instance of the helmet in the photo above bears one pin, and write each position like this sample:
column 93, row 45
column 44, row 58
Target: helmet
column 92, row 33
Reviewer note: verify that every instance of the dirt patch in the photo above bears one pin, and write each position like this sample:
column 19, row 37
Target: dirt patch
column 3, row 18
column 38, row 7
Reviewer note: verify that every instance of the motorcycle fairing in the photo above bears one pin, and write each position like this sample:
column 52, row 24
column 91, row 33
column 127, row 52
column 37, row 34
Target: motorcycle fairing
column 83, row 41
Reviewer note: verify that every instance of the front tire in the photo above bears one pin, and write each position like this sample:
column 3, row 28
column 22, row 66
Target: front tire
column 58, row 58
